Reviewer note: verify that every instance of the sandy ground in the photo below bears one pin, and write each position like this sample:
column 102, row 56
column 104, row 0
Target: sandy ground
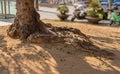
column 24, row 58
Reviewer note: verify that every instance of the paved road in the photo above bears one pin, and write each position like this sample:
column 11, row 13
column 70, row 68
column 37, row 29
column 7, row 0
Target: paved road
column 51, row 13
column 45, row 13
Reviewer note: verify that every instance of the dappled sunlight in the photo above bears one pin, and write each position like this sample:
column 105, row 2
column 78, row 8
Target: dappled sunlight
column 25, row 58
column 97, row 64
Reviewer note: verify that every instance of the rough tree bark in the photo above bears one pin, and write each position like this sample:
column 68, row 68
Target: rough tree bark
column 36, row 4
column 27, row 21
column 27, row 26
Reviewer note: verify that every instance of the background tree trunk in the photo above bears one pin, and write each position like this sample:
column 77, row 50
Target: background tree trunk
column 27, row 20
column 36, row 4
column 109, row 3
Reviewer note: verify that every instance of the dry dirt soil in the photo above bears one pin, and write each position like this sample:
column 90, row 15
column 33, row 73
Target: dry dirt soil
column 17, row 57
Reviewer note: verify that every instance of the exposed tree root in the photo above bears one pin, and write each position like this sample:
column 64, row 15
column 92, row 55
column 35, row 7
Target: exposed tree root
column 72, row 36
column 40, row 32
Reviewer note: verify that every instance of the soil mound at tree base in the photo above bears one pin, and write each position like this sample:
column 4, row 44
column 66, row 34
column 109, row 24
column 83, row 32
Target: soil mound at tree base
column 60, row 58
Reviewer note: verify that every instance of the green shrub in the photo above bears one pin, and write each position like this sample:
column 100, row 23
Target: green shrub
column 92, row 14
column 94, row 5
column 63, row 9
column 95, row 8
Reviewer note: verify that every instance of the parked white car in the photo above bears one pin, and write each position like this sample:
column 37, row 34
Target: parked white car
column 80, row 4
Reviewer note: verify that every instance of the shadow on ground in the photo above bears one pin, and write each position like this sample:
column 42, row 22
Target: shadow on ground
column 26, row 58
column 106, row 39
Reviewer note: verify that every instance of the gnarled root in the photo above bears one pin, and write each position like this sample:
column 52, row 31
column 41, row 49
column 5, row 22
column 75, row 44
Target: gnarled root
column 51, row 34
column 72, row 36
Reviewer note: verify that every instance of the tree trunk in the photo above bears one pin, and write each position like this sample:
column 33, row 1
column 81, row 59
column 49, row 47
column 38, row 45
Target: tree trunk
column 36, row 4
column 27, row 26
column 109, row 3
column 27, row 21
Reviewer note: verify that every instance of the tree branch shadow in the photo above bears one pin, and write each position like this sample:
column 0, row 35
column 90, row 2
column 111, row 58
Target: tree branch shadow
column 56, row 58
